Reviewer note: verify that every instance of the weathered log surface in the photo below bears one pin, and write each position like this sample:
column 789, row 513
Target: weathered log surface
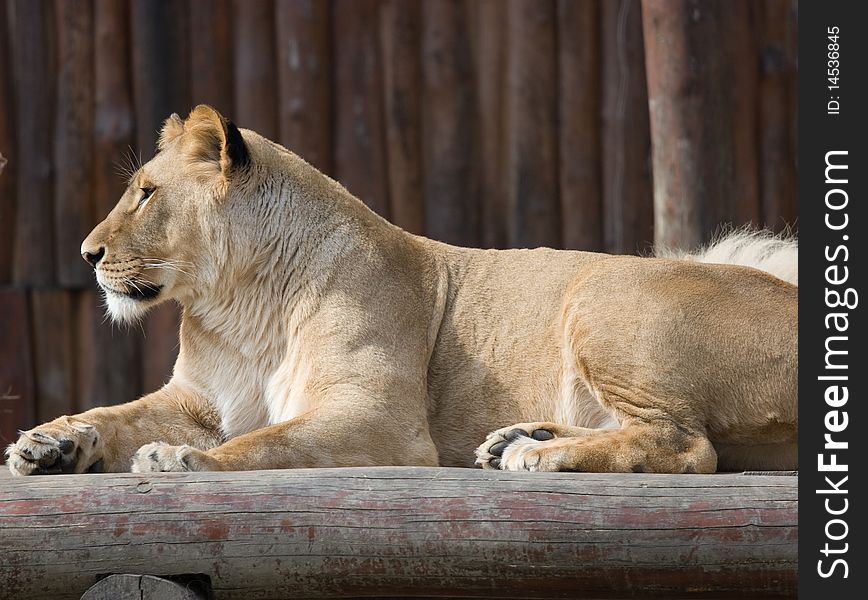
column 405, row 531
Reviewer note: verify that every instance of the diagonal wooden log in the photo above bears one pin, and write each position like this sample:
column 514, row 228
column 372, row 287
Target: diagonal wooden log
column 406, row 531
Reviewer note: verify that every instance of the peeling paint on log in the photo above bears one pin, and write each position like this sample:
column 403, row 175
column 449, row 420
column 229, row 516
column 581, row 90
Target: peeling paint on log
column 405, row 531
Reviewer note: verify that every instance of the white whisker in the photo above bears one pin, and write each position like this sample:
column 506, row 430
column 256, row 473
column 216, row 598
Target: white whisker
column 157, row 263
column 132, row 282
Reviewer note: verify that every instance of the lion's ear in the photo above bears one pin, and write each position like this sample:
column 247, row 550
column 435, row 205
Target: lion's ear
column 212, row 137
column 172, row 128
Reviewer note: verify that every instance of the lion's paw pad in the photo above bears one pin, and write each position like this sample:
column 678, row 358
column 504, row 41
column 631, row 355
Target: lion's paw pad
column 509, row 448
column 61, row 446
column 160, row 457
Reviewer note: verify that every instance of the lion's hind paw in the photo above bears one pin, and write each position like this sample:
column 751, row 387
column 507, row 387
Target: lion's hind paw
column 507, row 448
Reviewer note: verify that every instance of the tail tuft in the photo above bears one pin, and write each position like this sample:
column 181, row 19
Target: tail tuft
column 763, row 250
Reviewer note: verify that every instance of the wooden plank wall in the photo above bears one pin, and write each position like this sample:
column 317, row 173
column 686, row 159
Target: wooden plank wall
column 490, row 123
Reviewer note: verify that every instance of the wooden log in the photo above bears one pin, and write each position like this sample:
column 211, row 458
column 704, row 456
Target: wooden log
column 703, row 144
column 114, row 121
column 17, row 396
column 34, row 75
column 628, row 205
column 255, row 67
column 490, row 38
column 161, row 61
column 402, row 80
column 407, row 531
column 304, row 72
column 53, row 338
column 74, row 145
column 360, row 147
column 8, row 148
column 449, row 120
column 579, row 130
column 108, row 357
column 531, row 124
column 777, row 148
column 212, row 55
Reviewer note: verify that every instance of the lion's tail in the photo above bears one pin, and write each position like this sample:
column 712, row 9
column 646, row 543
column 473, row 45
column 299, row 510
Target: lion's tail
column 763, row 250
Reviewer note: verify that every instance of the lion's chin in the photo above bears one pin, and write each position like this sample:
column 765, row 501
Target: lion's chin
column 125, row 309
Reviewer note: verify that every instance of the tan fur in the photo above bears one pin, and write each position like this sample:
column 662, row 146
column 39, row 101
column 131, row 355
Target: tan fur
column 316, row 334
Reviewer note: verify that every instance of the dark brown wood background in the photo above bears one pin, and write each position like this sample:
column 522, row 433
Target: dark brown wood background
column 490, row 123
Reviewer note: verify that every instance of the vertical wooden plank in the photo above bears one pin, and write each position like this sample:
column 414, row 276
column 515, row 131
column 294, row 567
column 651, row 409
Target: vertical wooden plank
column 17, row 398
column 778, row 175
column 793, row 53
column 399, row 28
column 73, row 150
column 161, row 66
column 360, row 147
column 448, row 117
column 255, row 68
column 108, row 359
column 34, row 74
column 114, row 121
column 304, row 72
column 530, row 124
column 704, row 167
column 161, row 75
column 212, row 51
column 108, row 356
column 579, row 130
column 53, row 334
column 740, row 52
column 8, row 148
column 490, row 37
column 628, row 209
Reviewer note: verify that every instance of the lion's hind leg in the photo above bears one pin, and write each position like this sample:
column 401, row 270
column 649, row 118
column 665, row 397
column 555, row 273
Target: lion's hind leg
column 657, row 446
column 489, row 454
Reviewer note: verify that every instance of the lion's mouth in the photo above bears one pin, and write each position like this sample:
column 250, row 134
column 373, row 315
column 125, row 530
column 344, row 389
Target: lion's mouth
column 141, row 290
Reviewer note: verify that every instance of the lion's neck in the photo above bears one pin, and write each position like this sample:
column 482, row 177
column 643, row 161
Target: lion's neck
column 271, row 272
column 273, row 258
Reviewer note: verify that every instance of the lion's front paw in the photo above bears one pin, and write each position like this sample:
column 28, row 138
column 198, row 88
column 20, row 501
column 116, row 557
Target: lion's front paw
column 510, row 448
column 161, row 457
column 64, row 445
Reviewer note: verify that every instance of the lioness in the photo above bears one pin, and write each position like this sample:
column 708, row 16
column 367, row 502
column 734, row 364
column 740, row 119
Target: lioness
column 317, row 334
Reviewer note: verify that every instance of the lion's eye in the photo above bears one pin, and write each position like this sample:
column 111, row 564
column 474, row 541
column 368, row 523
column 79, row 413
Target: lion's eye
column 146, row 193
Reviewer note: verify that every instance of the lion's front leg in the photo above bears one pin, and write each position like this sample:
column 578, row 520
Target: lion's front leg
column 490, row 454
column 65, row 445
column 350, row 433
column 160, row 457
column 105, row 438
column 654, row 447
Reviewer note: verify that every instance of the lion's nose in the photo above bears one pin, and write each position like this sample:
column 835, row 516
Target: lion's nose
column 93, row 258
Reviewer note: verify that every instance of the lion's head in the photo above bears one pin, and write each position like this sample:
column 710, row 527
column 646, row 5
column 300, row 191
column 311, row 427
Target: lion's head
column 159, row 240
